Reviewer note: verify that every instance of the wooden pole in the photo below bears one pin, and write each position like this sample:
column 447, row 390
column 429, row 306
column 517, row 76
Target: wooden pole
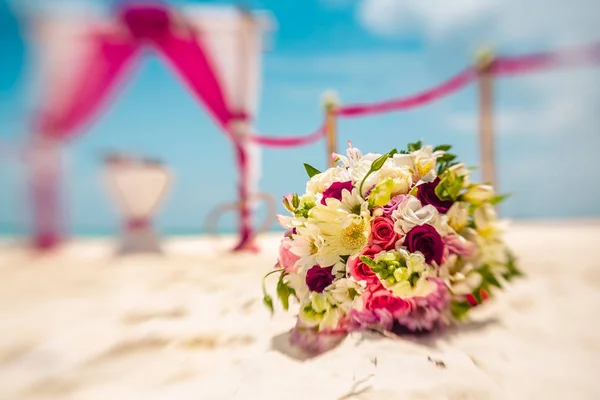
column 486, row 116
column 330, row 105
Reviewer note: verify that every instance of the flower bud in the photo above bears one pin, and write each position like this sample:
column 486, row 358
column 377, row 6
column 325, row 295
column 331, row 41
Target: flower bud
column 479, row 195
column 458, row 215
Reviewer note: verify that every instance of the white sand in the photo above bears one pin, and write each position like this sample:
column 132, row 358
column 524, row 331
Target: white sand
column 81, row 324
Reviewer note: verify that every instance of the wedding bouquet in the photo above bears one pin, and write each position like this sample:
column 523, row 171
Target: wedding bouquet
column 399, row 242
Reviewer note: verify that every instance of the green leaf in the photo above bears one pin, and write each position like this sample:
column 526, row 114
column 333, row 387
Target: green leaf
column 415, row 146
column 284, row 292
column 442, row 147
column 295, row 200
column 392, row 152
column 369, row 261
column 489, row 277
column 310, row 170
column 446, row 158
column 345, row 259
column 459, row 309
column 512, row 270
column 498, row 199
column 268, row 302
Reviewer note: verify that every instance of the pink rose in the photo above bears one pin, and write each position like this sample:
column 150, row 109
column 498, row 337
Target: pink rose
column 287, row 259
column 384, row 299
column 458, row 245
column 382, row 233
column 361, row 271
column 390, row 207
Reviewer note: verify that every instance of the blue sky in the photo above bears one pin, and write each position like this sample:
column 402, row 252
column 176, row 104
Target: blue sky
column 367, row 50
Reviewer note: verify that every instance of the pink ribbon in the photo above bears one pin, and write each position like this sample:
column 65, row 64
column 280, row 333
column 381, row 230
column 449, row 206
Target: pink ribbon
column 290, row 141
column 533, row 62
column 501, row 66
column 446, row 88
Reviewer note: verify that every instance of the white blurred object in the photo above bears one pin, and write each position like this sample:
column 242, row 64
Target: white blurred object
column 138, row 186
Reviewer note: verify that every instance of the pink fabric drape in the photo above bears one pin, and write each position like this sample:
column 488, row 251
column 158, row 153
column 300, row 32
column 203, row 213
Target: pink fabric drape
column 183, row 49
column 107, row 59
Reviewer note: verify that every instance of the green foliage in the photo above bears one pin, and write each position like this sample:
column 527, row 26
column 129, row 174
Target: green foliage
column 310, row 170
column 512, row 271
column 370, row 262
column 444, row 162
column 267, row 299
column 284, row 291
column 450, row 186
column 498, row 199
column 459, row 309
column 442, row 147
column 415, row 146
column 490, row 280
column 268, row 302
column 304, row 210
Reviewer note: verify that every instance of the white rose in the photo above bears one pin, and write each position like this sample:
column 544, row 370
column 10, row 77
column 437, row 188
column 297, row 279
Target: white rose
column 401, row 177
column 410, row 213
column 320, row 182
column 404, row 160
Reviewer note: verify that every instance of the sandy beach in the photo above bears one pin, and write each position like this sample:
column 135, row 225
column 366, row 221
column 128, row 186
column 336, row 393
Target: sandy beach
column 84, row 324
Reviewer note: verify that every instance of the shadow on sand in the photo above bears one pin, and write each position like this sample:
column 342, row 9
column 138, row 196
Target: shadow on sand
column 313, row 346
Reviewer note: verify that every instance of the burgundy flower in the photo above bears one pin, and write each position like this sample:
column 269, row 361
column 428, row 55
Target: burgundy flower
column 426, row 195
column 335, row 190
column 427, row 240
column 382, row 233
column 318, row 278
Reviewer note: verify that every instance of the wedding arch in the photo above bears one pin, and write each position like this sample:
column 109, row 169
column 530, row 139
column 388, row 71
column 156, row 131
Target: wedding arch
column 214, row 51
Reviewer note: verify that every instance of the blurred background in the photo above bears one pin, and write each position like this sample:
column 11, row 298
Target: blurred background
column 547, row 124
